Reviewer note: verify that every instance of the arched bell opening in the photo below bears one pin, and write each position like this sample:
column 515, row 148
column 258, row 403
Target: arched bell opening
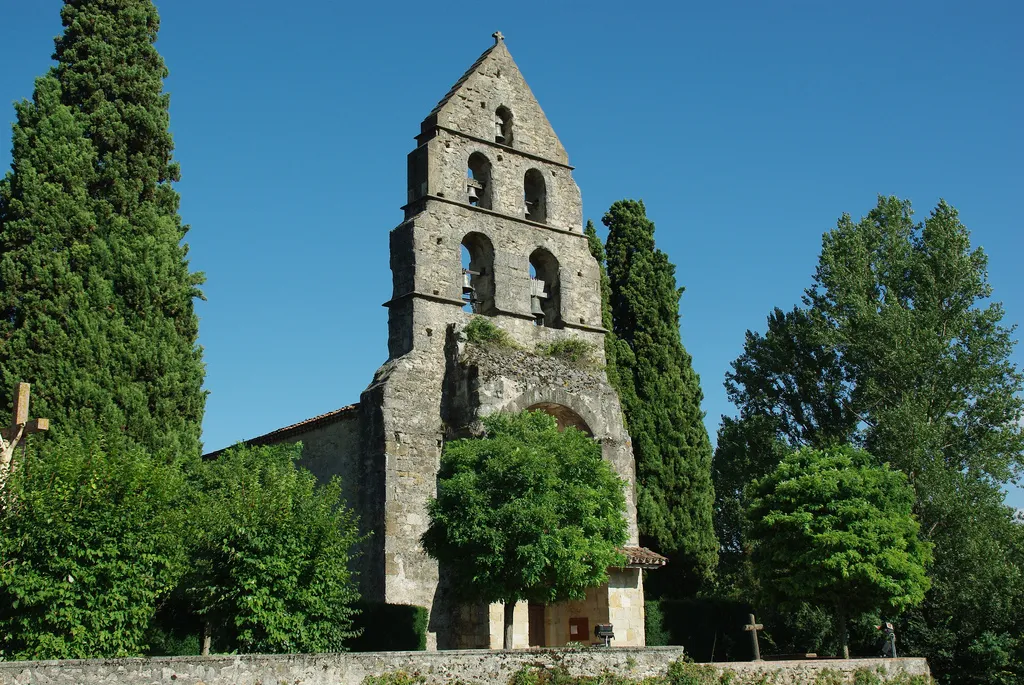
column 564, row 416
column 535, row 196
column 478, row 274
column 503, row 126
column 545, row 300
column 478, row 181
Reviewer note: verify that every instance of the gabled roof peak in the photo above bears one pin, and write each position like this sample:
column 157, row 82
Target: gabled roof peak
column 469, row 72
column 494, row 81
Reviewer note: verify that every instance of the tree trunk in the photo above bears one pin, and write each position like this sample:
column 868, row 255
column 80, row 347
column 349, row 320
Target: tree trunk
column 841, row 632
column 207, row 634
column 510, row 608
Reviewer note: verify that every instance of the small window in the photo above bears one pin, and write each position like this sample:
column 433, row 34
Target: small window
column 535, row 196
column 478, row 274
column 478, row 181
column 545, row 301
column 503, row 126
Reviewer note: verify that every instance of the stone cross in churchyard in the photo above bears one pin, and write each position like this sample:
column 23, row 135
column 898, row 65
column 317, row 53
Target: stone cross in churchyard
column 19, row 428
column 752, row 628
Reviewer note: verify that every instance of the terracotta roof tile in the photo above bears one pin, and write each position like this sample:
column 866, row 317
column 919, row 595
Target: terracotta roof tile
column 643, row 557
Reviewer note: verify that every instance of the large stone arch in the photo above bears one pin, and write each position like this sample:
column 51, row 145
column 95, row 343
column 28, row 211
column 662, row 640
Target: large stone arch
column 565, row 416
column 567, row 409
column 603, row 421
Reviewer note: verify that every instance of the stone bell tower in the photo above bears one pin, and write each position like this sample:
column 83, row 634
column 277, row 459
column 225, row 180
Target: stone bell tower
column 488, row 174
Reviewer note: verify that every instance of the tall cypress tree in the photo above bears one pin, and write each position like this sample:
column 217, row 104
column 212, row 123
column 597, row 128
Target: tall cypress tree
column 612, row 346
column 96, row 296
column 662, row 399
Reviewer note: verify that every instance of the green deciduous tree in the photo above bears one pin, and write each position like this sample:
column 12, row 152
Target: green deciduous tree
column 832, row 528
column 96, row 297
column 970, row 625
column 662, row 399
column 89, row 541
column 791, row 392
column 270, row 554
column 899, row 349
column 526, row 513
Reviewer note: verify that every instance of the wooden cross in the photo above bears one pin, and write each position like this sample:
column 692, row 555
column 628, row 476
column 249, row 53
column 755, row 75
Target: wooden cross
column 752, row 628
column 19, row 428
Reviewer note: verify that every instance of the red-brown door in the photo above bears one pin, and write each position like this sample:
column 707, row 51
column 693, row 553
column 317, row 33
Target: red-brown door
column 579, row 630
column 536, row 617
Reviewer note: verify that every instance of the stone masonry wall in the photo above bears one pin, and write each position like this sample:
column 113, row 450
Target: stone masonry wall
column 438, row 668
column 626, row 605
column 448, row 159
column 497, row 81
column 426, row 261
column 335, row 449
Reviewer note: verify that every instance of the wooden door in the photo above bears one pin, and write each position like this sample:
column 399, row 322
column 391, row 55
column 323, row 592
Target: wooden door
column 579, row 630
column 536, row 618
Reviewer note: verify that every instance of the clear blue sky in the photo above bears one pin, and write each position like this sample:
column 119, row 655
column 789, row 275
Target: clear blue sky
column 746, row 127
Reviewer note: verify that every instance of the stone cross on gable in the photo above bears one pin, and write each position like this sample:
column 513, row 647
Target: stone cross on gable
column 19, row 428
column 752, row 628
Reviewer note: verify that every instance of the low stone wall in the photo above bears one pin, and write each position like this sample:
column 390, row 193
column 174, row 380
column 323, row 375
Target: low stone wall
column 813, row 672
column 492, row 667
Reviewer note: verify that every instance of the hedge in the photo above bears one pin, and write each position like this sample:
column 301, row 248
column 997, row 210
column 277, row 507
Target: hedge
column 390, row 628
column 710, row 629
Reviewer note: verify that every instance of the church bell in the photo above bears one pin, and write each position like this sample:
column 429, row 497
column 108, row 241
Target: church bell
column 537, row 294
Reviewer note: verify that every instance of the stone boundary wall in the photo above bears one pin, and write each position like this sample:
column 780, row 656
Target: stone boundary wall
column 493, row 667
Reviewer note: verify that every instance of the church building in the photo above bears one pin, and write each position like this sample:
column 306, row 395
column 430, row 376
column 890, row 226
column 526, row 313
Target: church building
column 493, row 228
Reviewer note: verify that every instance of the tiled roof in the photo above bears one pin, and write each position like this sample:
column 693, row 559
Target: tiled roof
column 296, row 428
column 458, row 84
column 643, row 557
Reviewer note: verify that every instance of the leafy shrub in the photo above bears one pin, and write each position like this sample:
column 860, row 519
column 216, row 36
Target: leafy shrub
column 711, row 629
column 395, row 678
column 685, row 672
column 827, row 676
column 175, row 629
column 654, row 627
column 558, row 675
column 575, row 350
column 89, row 541
column 270, row 556
column 682, row 672
column 390, row 628
column 865, row 676
column 163, row 642
column 482, row 331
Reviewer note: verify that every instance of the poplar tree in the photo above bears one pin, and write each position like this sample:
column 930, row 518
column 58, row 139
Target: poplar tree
column 898, row 347
column 662, row 398
column 96, row 296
